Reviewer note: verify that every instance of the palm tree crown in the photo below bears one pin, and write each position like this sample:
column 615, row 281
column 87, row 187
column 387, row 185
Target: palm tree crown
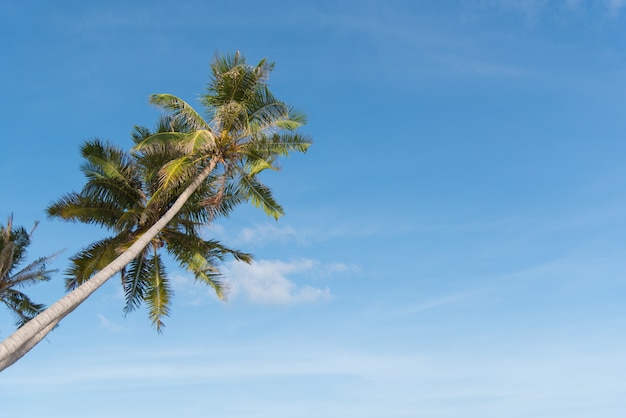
column 244, row 132
column 14, row 242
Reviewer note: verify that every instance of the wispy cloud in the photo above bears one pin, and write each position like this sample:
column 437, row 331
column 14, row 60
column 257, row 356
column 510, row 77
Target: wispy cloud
column 267, row 282
column 258, row 235
column 454, row 381
column 109, row 325
column 264, row 233
column 435, row 303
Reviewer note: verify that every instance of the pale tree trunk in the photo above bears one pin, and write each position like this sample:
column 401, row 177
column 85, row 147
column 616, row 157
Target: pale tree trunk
column 25, row 338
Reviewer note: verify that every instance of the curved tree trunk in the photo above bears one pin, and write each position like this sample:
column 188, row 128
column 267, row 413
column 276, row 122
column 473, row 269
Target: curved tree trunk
column 25, row 338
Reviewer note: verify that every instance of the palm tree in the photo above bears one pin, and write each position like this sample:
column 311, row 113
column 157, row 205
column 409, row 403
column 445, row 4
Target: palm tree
column 118, row 189
column 244, row 131
column 13, row 245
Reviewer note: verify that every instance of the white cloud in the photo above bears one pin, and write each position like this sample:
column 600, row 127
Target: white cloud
column 266, row 282
column 109, row 325
column 336, row 268
column 263, row 233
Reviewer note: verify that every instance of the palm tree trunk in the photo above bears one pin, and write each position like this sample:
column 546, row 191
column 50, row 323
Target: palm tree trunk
column 25, row 338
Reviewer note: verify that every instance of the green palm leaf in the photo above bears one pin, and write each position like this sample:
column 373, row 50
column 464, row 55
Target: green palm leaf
column 158, row 292
column 259, row 195
column 135, row 280
column 76, row 208
column 21, row 306
column 91, row 260
column 281, row 144
column 34, row 272
column 161, row 141
column 180, row 110
column 176, row 172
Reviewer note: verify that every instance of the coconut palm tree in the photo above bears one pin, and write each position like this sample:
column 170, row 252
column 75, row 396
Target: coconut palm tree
column 14, row 242
column 116, row 195
column 244, row 130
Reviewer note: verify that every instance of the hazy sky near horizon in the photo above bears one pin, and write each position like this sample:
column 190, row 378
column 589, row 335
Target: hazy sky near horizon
column 453, row 243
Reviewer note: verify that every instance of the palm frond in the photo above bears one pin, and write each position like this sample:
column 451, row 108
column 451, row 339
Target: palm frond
column 255, row 164
column 114, row 191
column 154, row 143
column 139, row 133
column 22, row 307
column 180, row 110
column 91, row 260
column 220, row 251
column 214, row 279
column 202, row 258
column 113, row 187
column 106, row 160
column 129, row 220
column 294, row 120
column 176, row 172
column 10, row 243
column 269, row 115
column 204, row 268
column 136, row 281
column 14, row 242
column 201, row 140
column 259, row 195
column 158, row 293
column 263, row 70
column 34, row 272
column 76, row 208
column 280, row 144
column 185, row 246
column 222, row 201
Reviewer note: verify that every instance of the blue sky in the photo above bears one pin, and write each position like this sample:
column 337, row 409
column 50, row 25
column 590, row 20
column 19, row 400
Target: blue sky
column 453, row 243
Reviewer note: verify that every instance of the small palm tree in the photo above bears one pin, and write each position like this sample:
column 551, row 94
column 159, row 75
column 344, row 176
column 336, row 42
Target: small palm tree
column 13, row 244
column 244, row 131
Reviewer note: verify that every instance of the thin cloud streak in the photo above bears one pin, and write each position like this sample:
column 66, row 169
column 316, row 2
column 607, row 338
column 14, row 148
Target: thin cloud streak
column 110, row 325
column 264, row 234
column 435, row 303
column 495, row 379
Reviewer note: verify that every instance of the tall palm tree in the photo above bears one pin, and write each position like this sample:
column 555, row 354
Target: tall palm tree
column 244, row 131
column 118, row 189
column 14, row 242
